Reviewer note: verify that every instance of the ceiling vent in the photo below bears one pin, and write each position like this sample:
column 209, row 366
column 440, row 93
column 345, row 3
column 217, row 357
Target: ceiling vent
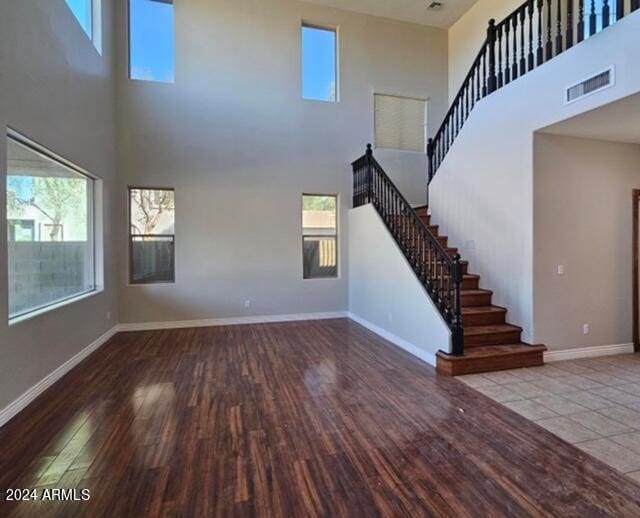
column 435, row 6
column 590, row 86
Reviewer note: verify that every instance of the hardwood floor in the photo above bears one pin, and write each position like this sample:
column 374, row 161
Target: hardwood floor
column 297, row 419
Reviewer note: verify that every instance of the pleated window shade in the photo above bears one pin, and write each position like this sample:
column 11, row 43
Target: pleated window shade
column 399, row 122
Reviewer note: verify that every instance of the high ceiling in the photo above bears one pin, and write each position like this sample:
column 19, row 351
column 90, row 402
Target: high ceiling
column 414, row 11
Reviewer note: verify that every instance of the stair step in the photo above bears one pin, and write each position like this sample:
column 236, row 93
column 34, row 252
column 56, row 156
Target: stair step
column 483, row 315
column 434, row 229
column 452, row 251
column 474, row 298
column 443, row 240
column 495, row 334
column 470, row 282
column 491, row 358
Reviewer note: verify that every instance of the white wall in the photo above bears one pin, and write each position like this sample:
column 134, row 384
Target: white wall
column 240, row 146
column 583, row 220
column 384, row 292
column 483, row 191
column 58, row 90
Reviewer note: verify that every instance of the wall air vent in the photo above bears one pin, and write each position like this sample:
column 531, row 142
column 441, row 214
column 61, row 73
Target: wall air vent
column 589, row 86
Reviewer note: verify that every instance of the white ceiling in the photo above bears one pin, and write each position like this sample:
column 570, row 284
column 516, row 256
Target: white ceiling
column 617, row 121
column 414, row 11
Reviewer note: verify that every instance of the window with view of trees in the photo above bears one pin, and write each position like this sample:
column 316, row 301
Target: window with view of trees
column 49, row 229
column 319, row 236
column 152, row 235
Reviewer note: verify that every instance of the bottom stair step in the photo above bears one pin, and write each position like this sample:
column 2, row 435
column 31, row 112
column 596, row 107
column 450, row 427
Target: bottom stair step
column 490, row 358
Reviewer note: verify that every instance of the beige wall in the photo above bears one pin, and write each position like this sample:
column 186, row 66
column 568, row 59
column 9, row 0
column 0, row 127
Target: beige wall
column 583, row 220
column 467, row 35
column 240, row 146
column 58, row 90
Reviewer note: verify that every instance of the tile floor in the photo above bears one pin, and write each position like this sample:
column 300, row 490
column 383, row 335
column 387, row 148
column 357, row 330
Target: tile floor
column 592, row 403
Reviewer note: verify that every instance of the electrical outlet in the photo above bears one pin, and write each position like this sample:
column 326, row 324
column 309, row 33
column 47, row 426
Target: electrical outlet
column 247, row 304
column 561, row 269
column 586, row 329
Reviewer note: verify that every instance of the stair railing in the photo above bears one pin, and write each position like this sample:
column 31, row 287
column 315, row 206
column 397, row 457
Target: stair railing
column 531, row 35
column 439, row 273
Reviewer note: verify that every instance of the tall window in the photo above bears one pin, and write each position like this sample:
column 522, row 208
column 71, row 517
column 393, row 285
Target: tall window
column 152, row 40
column 400, row 122
column 50, row 229
column 319, row 236
column 152, row 235
column 319, row 64
column 83, row 11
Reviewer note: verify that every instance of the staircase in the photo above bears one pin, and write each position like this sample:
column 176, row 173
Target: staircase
column 481, row 339
column 490, row 343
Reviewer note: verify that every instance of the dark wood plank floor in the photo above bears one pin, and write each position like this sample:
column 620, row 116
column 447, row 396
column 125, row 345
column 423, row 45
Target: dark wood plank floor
column 298, row 419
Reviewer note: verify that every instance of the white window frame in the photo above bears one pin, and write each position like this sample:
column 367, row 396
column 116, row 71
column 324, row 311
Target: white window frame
column 94, row 225
column 96, row 24
column 336, row 236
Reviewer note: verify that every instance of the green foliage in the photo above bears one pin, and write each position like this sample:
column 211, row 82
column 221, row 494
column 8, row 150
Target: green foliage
column 319, row 203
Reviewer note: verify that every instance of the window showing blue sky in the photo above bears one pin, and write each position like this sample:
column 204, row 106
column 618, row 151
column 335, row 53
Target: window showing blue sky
column 83, row 11
column 152, row 40
column 319, row 64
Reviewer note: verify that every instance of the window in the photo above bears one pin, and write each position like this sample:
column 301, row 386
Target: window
column 83, row 11
column 151, row 235
column 400, row 122
column 319, row 236
column 50, row 214
column 152, row 40
column 319, row 64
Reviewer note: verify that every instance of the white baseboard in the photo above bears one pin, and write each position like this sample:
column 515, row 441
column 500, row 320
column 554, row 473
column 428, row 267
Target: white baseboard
column 213, row 322
column 25, row 399
column 588, row 352
column 395, row 340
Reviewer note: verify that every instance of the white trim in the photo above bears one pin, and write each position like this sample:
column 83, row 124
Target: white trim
column 231, row 321
column 13, row 408
column 395, row 340
column 588, row 352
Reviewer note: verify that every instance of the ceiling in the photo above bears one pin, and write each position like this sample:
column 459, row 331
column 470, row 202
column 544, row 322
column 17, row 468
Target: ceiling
column 414, row 11
column 617, row 121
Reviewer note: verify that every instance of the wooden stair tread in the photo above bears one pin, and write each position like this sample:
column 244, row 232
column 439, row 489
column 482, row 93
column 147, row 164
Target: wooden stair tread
column 491, row 358
column 479, row 291
column 491, row 329
column 475, row 310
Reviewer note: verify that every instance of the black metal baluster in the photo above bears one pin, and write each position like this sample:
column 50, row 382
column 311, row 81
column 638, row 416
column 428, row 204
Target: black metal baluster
column 549, row 41
column 530, row 56
column 539, row 51
column 569, row 37
column 484, row 72
column 635, row 4
column 514, row 67
column 492, row 81
column 559, row 27
column 592, row 19
column 619, row 9
column 606, row 14
column 580, row 20
column 499, row 46
column 523, row 63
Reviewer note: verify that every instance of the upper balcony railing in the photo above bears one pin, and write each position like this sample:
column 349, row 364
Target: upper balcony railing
column 534, row 33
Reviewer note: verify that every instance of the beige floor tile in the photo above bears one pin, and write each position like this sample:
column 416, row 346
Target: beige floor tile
column 527, row 389
column 553, row 386
column 588, row 400
column 499, row 393
column 554, row 371
column 476, row 380
column 630, row 441
column 530, row 409
column 529, row 374
column 635, row 475
column 623, row 415
column 567, row 429
column 612, row 453
column 582, row 383
column 600, row 424
column 502, row 377
column 631, row 388
column 618, row 396
column 603, row 378
column 560, row 405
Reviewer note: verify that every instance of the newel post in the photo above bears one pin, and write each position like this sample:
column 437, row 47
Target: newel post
column 369, row 155
column 492, row 80
column 457, row 332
